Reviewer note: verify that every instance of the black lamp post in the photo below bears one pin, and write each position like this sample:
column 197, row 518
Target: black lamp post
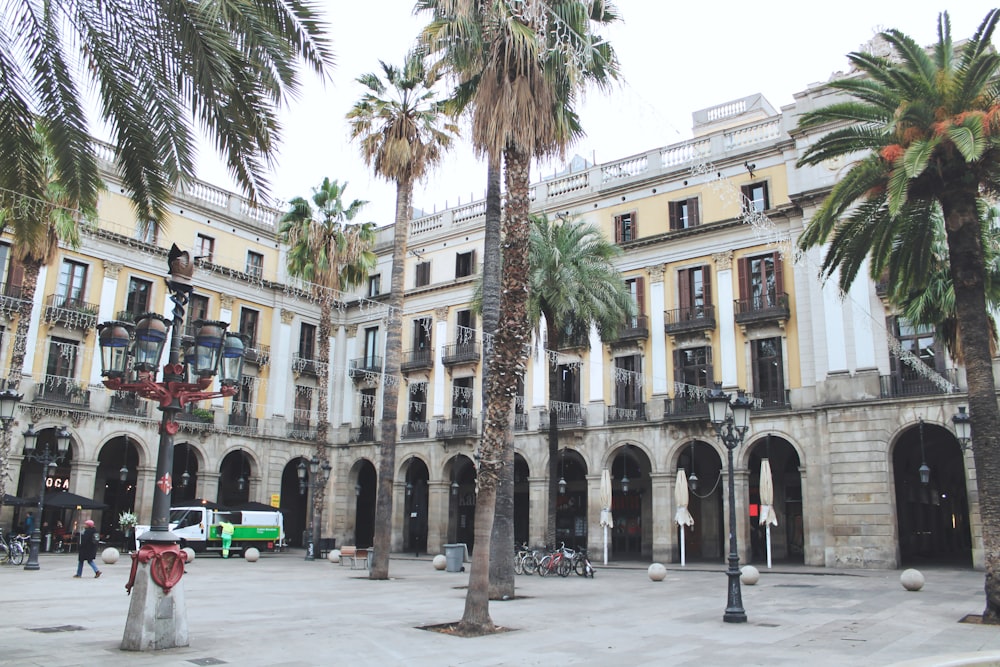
column 8, row 403
column 310, row 478
column 924, row 470
column 731, row 421
column 963, row 427
column 214, row 352
column 692, row 478
column 49, row 460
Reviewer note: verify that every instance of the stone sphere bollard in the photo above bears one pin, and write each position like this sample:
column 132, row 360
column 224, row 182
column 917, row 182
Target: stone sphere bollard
column 110, row 555
column 251, row 555
column 749, row 575
column 657, row 572
column 440, row 562
column 333, row 556
column 188, row 554
column 912, row 580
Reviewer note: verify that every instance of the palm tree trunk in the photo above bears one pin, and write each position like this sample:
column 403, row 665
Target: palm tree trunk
column 322, row 405
column 507, row 365
column 391, row 380
column 14, row 373
column 553, row 481
column 501, row 551
column 967, row 271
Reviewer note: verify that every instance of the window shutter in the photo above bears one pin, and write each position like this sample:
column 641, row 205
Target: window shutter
column 635, row 225
column 709, row 368
column 675, row 222
column 693, row 219
column 684, row 277
column 779, row 285
column 744, row 270
column 618, row 229
column 472, row 263
column 677, row 366
column 640, row 295
column 706, row 280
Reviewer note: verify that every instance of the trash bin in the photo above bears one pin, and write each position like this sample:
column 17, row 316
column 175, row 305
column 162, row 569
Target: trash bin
column 454, row 555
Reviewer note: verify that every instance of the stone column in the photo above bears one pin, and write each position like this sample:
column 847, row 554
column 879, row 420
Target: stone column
column 664, row 529
column 727, row 318
column 538, row 494
column 398, row 508
column 438, row 499
column 657, row 368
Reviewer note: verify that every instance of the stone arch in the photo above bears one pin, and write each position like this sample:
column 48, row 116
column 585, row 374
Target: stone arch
column 365, row 481
column 415, row 474
column 702, row 458
column 787, row 538
column 461, row 473
column 631, row 500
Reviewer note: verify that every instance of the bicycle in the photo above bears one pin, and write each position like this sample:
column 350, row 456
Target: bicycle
column 581, row 564
column 12, row 549
column 559, row 562
column 519, row 554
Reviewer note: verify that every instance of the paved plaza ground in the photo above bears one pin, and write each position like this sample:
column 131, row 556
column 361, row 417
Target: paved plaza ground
column 285, row 611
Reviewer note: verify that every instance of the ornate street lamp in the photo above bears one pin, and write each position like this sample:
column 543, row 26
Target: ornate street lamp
column 143, row 345
column 924, row 470
column 963, row 427
column 49, row 460
column 731, row 421
column 314, row 477
column 692, row 478
column 8, row 403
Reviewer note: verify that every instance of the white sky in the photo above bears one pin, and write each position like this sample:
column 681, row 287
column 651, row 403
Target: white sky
column 676, row 57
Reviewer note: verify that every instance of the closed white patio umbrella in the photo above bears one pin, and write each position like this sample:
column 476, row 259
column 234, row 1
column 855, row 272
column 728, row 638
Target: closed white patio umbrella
column 606, row 520
column 768, row 517
column 683, row 516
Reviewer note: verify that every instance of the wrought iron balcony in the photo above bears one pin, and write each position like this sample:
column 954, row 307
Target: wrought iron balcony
column 364, row 433
column 768, row 307
column 304, row 365
column 568, row 415
column 417, row 360
column 359, row 368
column 460, row 427
column 637, row 328
column 414, row 430
column 771, row 400
column 684, row 406
column 626, row 414
column 10, row 299
column 461, row 353
column 127, row 316
column 572, row 341
column 70, row 313
column 128, row 403
column 64, row 391
column 241, row 417
column 520, row 421
column 687, row 320
column 255, row 353
column 911, row 383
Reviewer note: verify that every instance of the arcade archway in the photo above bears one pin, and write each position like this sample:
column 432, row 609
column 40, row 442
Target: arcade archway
column 117, row 474
column 365, row 488
column 705, row 540
column 631, row 503
column 787, row 540
column 571, row 503
column 415, row 507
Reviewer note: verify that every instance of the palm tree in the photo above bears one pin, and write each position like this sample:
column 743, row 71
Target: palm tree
column 403, row 131
column 574, row 285
column 37, row 227
column 520, row 64
column 332, row 253
column 159, row 70
column 929, row 125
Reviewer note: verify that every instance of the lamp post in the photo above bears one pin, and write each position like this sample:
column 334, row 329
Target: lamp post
column 214, row 352
column 731, row 421
column 49, row 460
column 310, row 478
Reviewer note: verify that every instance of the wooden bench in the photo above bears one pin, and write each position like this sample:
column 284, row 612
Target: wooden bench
column 357, row 557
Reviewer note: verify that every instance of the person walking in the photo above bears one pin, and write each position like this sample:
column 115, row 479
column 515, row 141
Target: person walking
column 29, row 524
column 226, row 531
column 88, row 550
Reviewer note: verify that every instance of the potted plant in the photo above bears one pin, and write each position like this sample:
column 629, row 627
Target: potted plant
column 127, row 521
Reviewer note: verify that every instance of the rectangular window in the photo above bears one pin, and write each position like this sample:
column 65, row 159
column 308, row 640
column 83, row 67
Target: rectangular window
column 636, row 288
column 568, row 389
column 761, row 284
column 371, row 348
column 465, row 330
column 423, row 275
column 422, row 333
column 465, row 264
column 755, row 197
column 416, row 410
column 205, row 248
column 255, row 264
column 694, row 291
column 768, row 371
column 367, row 411
column 375, row 285
column 62, row 357
column 693, row 367
column 303, row 407
column 628, row 387
column 684, row 214
column 248, row 325
column 137, row 299
column 626, row 228
column 4, row 262
column 72, row 284
column 461, row 398
column 307, row 340
column 145, row 231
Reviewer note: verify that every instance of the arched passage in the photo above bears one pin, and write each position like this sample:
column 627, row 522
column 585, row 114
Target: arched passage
column 117, row 474
column 631, row 503
column 933, row 517
column 462, row 501
column 522, row 500
column 415, row 507
column 235, row 474
column 571, row 503
column 705, row 540
column 294, row 502
column 786, row 538
column 30, row 482
column 364, row 513
column 185, row 473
